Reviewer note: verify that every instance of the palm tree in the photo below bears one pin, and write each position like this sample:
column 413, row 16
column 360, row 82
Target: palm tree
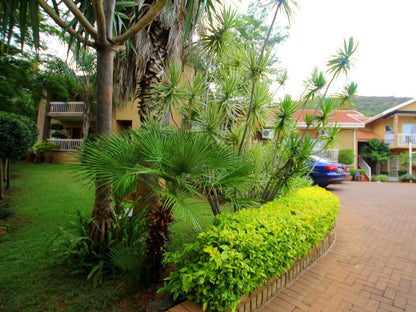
column 103, row 26
column 180, row 163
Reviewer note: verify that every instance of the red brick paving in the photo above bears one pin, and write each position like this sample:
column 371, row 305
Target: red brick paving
column 372, row 265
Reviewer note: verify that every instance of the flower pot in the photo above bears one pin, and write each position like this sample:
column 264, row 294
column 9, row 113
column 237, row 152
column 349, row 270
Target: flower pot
column 30, row 157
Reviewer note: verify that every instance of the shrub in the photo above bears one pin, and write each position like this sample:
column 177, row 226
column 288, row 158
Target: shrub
column 58, row 135
column 17, row 135
column 385, row 173
column 43, row 146
column 381, row 177
column 407, row 177
column 402, row 172
column 56, row 126
column 122, row 250
column 352, row 171
column 346, row 156
column 245, row 249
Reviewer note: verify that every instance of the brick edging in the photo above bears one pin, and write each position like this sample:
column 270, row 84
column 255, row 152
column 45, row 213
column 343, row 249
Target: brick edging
column 255, row 300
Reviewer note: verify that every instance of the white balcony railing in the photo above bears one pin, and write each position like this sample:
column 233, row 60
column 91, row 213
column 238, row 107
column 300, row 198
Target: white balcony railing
column 66, row 107
column 406, row 138
column 402, row 138
column 67, row 144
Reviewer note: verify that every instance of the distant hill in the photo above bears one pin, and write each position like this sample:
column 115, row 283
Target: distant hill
column 373, row 105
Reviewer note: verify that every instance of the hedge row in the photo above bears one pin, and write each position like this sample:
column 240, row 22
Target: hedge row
column 244, row 250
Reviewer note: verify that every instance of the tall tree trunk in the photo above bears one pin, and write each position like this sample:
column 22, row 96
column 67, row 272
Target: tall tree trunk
column 103, row 211
column 7, row 165
column 1, row 178
column 87, row 110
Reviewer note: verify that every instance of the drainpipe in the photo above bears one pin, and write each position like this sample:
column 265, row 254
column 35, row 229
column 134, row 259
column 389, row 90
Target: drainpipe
column 410, row 158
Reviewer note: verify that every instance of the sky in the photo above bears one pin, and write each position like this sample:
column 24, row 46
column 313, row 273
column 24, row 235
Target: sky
column 385, row 61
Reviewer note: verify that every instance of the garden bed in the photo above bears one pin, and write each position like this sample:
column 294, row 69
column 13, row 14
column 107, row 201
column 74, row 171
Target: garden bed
column 261, row 296
column 226, row 268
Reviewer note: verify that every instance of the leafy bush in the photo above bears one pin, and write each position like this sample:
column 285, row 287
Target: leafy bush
column 56, row 126
column 381, row 177
column 407, row 177
column 346, row 156
column 17, row 135
column 402, row 172
column 43, row 146
column 122, row 250
column 352, row 171
column 58, row 135
column 245, row 249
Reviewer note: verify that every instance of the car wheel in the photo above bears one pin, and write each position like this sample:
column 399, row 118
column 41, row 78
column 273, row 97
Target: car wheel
column 311, row 179
column 323, row 185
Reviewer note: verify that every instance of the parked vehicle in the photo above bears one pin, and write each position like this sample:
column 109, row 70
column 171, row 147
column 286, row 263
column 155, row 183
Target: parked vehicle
column 325, row 172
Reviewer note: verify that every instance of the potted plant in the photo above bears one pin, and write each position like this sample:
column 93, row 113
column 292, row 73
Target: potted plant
column 43, row 151
column 357, row 174
column 30, row 156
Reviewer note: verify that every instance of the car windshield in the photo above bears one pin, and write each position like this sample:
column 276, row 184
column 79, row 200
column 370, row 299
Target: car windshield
column 320, row 159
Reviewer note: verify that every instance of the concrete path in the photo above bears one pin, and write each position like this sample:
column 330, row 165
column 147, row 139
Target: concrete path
column 372, row 265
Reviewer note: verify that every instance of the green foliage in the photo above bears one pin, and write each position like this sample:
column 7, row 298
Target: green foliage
column 408, row 177
column 380, row 177
column 352, row 171
column 404, row 159
column 122, row 250
column 402, row 172
column 58, row 135
column 56, row 126
column 30, row 281
column 346, row 156
column 252, row 27
column 17, row 134
column 4, row 210
column 375, row 151
column 243, row 250
column 43, row 146
column 187, row 162
column 373, row 105
column 20, row 86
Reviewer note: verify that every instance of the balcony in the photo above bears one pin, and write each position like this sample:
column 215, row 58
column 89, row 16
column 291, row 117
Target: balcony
column 66, row 110
column 401, row 139
column 66, row 145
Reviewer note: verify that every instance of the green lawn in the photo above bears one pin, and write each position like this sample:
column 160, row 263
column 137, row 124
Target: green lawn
column 43, row 198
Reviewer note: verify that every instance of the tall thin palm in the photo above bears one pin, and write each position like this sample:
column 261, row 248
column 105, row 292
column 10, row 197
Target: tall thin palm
column 280, row 4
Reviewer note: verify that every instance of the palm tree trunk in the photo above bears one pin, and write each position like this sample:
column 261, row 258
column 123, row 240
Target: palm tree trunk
column 7, row 165
column 87, row 110
column 103, row 211
column 1, row 178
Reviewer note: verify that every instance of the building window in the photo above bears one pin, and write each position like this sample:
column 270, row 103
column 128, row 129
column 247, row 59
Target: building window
column 409, row 128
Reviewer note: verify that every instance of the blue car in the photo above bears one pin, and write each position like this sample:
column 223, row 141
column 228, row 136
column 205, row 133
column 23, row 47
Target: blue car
column 324, row 172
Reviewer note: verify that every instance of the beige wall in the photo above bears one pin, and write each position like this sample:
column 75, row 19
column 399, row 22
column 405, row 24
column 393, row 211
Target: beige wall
column 129, row 113
column 345, row 139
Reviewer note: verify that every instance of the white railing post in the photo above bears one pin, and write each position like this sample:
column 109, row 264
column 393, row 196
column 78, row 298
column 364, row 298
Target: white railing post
column 363, row 165
column 66, row 144
column 66, row 107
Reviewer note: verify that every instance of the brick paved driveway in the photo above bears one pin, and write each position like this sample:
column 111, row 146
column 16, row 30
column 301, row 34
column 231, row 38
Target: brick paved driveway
column 372, row 265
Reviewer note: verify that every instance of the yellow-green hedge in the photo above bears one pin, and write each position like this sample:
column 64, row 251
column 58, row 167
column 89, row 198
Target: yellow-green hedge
column 243, row 250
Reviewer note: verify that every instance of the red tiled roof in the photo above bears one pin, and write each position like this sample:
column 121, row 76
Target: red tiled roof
column 365, row 135
column 342, row 117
